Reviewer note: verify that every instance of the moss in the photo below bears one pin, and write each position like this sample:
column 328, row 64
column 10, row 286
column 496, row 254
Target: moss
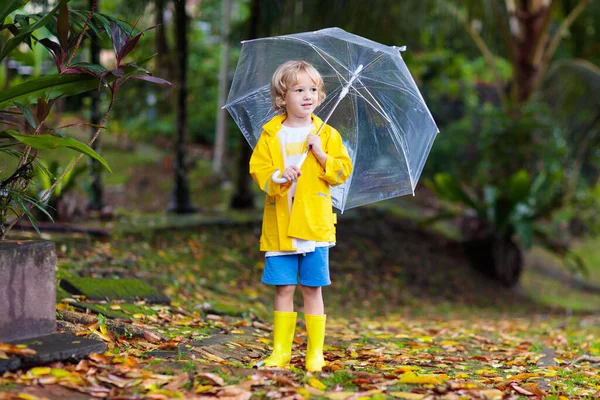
column 113, row 289
column 127, row 311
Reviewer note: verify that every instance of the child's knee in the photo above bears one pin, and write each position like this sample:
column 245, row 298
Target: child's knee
column 285, row 290
column 310, row 291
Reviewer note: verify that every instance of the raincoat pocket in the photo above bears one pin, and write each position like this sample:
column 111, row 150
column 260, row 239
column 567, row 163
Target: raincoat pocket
column 320, row 214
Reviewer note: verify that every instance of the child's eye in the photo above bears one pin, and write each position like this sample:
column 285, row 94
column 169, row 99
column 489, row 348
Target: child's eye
column 313, row 89
column 298, row 90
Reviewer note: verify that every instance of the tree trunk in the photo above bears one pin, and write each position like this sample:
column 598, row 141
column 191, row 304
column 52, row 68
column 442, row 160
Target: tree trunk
column 96, row 193
column 497, row 257
column 243, row 197
column 221, row 135
column 180, row 197
column 530, row 19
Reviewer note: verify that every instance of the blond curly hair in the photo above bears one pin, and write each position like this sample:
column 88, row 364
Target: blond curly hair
column 286, row 76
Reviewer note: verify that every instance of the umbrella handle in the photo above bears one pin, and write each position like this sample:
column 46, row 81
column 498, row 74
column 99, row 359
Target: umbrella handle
column 275, row 177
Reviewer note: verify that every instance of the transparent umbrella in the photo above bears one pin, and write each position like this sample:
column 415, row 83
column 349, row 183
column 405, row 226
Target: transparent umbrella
column 372, row 101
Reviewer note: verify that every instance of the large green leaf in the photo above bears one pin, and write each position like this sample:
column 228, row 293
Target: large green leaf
column 448, row 188
column 25, row 32
column 8, row 6
column 52, row 86
column 49, row 142
column 48, row 87
column 519, row 186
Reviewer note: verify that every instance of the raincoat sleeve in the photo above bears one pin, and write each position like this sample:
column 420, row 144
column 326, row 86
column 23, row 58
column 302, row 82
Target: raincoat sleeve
column 338, row 166
column 262, row 168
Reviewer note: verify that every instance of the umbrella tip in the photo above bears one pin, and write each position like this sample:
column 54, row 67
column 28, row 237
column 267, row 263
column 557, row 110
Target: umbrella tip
column 401, row 48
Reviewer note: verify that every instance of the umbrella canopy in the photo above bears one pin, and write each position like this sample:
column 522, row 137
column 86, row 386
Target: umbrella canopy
column 383, row 120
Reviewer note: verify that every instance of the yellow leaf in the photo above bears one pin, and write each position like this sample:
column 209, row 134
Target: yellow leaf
column 521, row 377
column 563, row 398
column 338, row 395
column 407, row 395
column 203, row 388
column 427, row 339
column 264, row 340
column 448, row 343
column 316, row 383
column 410, row 378
column 38, row 371
column 485, row 372
column 59, row 373
column 115, row 307
column 405, row 368
column 238, row 331
column 461, row 376
column 26, row 396
column 303, row 392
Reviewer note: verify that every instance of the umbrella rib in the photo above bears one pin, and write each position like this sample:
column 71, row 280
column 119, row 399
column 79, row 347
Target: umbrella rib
column 318, row 50
column 369, row 65
column 376, row 107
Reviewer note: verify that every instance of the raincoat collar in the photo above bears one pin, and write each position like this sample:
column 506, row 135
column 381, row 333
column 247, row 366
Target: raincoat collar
column 274, row 125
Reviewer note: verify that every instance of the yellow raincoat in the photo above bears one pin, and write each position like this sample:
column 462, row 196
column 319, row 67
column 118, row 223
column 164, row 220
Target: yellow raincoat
column 311, row 216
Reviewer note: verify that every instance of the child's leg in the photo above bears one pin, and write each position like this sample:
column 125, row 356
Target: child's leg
column 314, row 273
column 313, row 300
column 282, row 271
column 284, row 298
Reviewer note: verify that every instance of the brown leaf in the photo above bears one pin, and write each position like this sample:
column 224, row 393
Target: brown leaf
column 212, row 378
column 521, row 390
column 16, row 350
column 234, row 393
column 177, row 382
column 152, row 337
column 284, row 380
column 83, row 365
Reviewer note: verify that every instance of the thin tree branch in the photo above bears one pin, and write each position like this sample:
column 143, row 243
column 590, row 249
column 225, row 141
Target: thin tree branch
column 81, row 35
column 509, row 43
column 542, row 39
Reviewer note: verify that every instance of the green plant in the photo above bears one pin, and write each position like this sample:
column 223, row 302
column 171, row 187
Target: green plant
column 25, row 129
column 493, row 217
column 45, row 176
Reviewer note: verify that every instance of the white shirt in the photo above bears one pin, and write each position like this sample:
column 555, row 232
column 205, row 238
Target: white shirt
column 293, row 146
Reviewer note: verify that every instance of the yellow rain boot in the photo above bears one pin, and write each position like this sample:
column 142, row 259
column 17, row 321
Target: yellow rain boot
column 284, row 325
column 315, row 326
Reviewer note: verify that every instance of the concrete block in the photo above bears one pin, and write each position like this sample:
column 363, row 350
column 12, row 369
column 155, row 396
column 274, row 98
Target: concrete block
column 27, row 289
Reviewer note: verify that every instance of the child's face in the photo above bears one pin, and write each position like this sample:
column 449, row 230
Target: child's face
column 302, row 98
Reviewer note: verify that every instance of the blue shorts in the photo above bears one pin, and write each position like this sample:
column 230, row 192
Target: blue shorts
column 312, row 268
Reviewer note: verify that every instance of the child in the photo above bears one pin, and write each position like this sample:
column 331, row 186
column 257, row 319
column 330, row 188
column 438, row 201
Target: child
column 298, row 222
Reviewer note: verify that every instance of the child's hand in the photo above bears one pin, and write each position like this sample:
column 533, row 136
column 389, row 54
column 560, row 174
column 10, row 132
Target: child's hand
column 314, row 144
column 291, row 173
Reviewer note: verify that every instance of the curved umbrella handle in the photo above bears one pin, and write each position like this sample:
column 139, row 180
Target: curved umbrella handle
column 277, row 179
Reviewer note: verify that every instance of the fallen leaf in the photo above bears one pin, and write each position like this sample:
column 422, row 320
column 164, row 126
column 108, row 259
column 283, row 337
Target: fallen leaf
column 491, row 394
column 407, row 395
column 212, row 378
column 314, row 382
